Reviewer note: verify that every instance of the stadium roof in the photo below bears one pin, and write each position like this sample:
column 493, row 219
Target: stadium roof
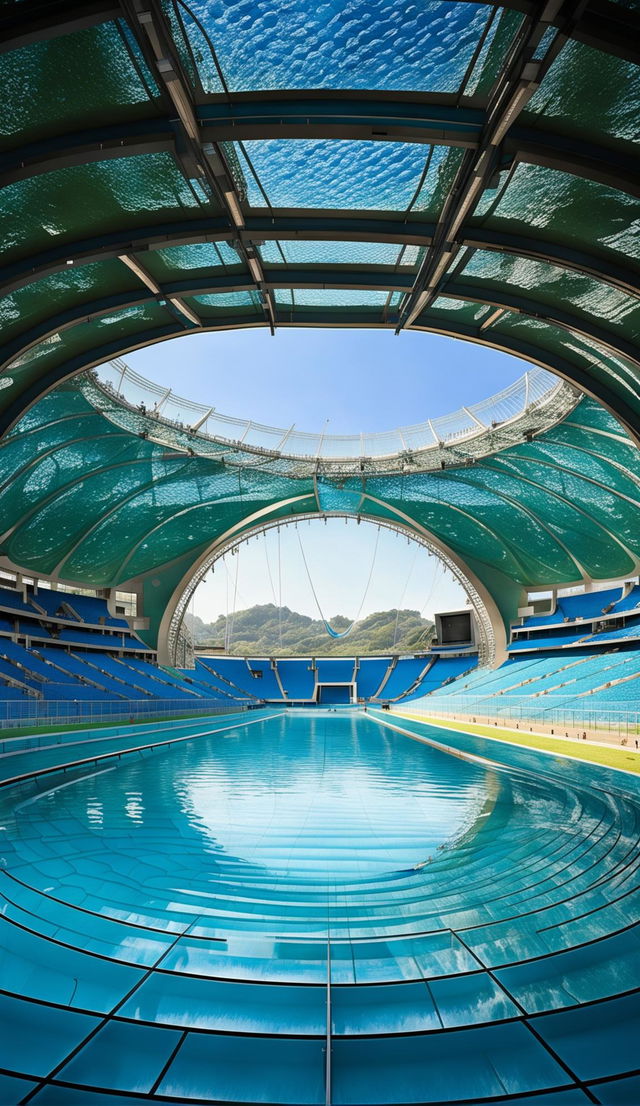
column 100, row 494
column 452, row 166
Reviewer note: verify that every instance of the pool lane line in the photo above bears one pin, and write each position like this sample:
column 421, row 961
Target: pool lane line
column 125, row 752
column 475, row 758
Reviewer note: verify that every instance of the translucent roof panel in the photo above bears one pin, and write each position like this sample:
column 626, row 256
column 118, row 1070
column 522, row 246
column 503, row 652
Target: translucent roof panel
column 360, row 44
column 371, row 176
column 198, row 257
column 564, row 208
column 332, row 297
column 549, row 284
column 222, row 301
column 59, row 206
column 106, row 503
column 49, row 85
column 583, row 82
column 72, row 287
column 340, row 253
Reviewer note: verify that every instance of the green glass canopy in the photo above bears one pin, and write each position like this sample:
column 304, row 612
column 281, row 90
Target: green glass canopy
column 458, row 167
column 102, row 495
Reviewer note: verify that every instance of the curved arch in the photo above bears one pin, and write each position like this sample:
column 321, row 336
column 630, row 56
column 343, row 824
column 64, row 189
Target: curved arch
column 492, row 644
column 567, row 370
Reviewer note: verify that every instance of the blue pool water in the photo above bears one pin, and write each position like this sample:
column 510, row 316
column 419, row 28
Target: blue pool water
column 311, row 908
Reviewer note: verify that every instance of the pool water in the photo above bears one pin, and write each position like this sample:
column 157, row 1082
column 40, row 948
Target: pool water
column 312, row 907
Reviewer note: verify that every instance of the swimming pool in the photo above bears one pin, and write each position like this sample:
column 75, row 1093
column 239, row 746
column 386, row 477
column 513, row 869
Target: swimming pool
column 312, row 907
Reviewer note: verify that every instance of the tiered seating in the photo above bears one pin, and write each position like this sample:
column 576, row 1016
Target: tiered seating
column 78, row 667
column 93, row 637
column 370, row 675
column 7, row 691
column 84, row 608
column 234, row 670
column 137, row 680
column 630, row 602
column 74, row 692
column 535, row 687
column 12, row 672
column 265, row 686
column 589, row 604
column 209, row 678
column 36, row 668
column 335, row 671
column 624, row 633
column 442, row 670
column 13, row 601
column 552, row 641
column 297, row 678
column 404, row 675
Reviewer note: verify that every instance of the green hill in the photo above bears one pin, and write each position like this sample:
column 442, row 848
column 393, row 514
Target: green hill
column 267, row 630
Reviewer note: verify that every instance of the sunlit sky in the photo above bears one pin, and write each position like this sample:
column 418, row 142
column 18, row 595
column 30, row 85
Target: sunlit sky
column 342, row 381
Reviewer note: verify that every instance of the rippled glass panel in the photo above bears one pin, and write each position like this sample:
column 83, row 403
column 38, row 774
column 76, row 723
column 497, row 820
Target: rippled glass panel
column 68, row 80
column 46, row 211
column 372, row 176
column 555, row 286
column 301, row 252
column 69, row 288
column 220, row 300
column 332, row 297
column 371, row 44
column 194, row 257
column 566, row 208
column 586, row 89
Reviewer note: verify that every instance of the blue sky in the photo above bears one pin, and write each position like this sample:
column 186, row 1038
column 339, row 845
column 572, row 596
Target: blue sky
column 357, row 380
column 339, row 555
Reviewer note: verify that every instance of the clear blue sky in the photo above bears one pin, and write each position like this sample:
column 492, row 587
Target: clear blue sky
column 358, row 380
column 361, row 380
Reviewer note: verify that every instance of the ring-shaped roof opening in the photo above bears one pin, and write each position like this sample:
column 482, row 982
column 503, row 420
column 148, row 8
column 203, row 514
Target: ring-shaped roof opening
column 462, row 168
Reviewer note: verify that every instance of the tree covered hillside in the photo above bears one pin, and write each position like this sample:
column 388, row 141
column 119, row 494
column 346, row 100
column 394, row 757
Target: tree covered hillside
column 267, row 630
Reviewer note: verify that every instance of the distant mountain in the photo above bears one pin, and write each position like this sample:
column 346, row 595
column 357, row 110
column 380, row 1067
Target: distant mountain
column 266, row 630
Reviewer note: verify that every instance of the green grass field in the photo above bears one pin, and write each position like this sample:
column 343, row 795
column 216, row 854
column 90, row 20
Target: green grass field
column 27, row 730
column 623, row 757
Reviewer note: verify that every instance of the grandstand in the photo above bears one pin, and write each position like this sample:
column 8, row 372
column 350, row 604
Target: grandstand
column 578, row 664
column 234, row 878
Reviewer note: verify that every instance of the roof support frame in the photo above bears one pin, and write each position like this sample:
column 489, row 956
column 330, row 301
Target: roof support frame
column 153, row 32
column 601, row 24
column 520, row 77
column 556, row 317
column 327, row 226
column 381, row 118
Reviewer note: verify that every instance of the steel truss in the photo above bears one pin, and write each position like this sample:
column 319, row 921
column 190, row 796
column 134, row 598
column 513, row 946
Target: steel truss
column 486, row 642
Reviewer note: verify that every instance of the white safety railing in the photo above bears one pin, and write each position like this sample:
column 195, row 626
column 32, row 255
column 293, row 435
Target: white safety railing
column 535, row 388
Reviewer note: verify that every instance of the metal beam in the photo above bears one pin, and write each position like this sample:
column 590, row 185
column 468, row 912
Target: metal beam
column 40, row 20
column 153, row 31
column 339, row 226
column 387, row 117
column 511, row 301
column 174, row 300
column 611, row 27
column 517, row 82
column 148, row 136
column 603, row 25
